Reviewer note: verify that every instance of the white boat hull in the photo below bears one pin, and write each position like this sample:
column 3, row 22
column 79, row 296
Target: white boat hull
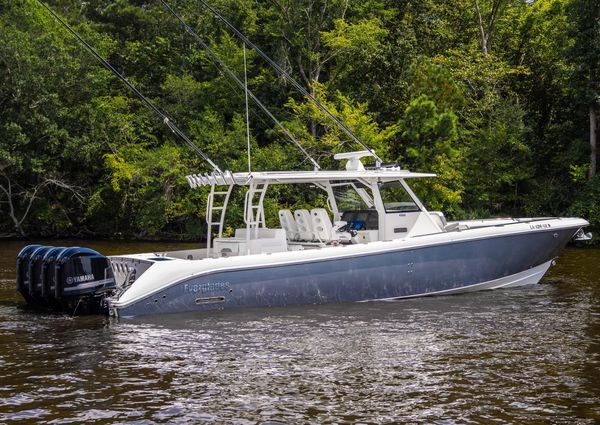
column 437, row 264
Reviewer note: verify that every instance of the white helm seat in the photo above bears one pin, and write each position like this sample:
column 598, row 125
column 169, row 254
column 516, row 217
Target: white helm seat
column 321, row 224
column 286, row 219
column 304, row 223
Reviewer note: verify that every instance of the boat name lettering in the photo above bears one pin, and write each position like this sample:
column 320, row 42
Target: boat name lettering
column 205, row 287
column 540, row 226
column 79, row 279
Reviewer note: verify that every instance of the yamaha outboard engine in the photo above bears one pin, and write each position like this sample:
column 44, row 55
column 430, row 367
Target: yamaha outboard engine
column 73, row 280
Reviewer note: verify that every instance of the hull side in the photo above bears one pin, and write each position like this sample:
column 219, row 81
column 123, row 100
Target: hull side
column 447, row 268
column 527, row 277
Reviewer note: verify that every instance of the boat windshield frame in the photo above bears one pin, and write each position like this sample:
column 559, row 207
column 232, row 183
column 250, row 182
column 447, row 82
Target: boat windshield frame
column 393, row 204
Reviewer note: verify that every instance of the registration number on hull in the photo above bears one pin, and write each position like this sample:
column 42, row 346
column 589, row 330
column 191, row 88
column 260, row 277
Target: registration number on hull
column 540, row 226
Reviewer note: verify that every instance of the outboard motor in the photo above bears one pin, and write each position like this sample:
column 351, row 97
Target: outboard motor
column 72, row 280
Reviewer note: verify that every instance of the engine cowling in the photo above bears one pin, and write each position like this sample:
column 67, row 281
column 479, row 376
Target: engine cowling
column 72, row 280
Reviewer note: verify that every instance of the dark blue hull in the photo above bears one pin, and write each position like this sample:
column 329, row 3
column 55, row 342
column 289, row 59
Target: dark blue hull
column 394, row 274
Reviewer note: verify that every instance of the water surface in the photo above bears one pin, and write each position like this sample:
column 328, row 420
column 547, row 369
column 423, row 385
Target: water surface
column 529, row 355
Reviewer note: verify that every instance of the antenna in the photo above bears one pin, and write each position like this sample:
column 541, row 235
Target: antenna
column 294, row 83
column 247, row 114
column 241, row 84
column 165, row 119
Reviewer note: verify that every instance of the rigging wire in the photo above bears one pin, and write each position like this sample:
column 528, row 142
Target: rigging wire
column 240, row 83
column 165, row 119
column 233, row 90
column 292, row 81
column 247, row 114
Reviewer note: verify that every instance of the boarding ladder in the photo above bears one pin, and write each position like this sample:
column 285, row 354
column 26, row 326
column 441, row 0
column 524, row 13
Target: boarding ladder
column 216, row 206
column 254, row 213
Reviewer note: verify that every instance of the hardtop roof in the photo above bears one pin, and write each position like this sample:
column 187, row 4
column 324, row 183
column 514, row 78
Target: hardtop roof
column 289, row 177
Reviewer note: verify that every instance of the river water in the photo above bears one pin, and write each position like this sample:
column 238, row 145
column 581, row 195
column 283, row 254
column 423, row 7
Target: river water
column 528, row 355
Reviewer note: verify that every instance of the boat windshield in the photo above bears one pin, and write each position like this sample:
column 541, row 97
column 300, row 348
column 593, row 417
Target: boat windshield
column 396, row 198
column 352, row 196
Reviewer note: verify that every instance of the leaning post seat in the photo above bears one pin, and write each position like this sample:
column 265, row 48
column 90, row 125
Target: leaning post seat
column 304, row 223
column 321, row 224
column 286, row 219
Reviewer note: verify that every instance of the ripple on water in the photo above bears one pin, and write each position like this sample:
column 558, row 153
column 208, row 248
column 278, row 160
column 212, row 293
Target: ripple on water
column 524, row 355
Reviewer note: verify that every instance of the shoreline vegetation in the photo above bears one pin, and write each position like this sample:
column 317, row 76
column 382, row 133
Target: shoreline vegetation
column 499, row 98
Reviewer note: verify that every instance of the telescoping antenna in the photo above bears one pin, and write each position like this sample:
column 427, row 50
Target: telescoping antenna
column 292, row 81
column 165, row 119
column 241, row 84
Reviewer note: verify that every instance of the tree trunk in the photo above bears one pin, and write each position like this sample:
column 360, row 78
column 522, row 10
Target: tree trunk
column 8, row 192
column 593, row 128
column 482, row 33
column 487, row 24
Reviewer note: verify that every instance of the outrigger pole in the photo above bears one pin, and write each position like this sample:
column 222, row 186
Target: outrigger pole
column 241, row 84
column 294, row 83
column 165, row 119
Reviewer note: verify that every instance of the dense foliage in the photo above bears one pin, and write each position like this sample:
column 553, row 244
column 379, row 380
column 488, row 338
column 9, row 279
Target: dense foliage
column 498, row 97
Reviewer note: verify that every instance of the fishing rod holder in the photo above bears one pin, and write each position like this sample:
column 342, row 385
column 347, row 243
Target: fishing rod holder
column 215, row 178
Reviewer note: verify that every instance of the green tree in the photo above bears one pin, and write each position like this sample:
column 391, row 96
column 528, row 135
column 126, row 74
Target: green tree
column 585, row 52
column 429, row 144
column 44, row 155
column 329, row 137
